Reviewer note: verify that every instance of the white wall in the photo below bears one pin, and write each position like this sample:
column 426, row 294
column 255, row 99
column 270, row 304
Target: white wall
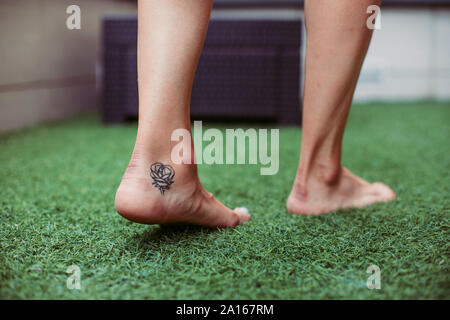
column 48, row 72
column 409, row 58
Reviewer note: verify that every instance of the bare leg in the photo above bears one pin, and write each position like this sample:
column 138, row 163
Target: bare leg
column 170, row 39
column 337, row 42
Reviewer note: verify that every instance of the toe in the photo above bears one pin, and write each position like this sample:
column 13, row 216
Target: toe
column 386, row 193
column 243, row 214
column 242, row 209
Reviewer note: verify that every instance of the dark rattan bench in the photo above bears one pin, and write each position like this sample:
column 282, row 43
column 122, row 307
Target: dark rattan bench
column 248, row 70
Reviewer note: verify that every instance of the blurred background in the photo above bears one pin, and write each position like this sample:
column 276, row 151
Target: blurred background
column 49, row 72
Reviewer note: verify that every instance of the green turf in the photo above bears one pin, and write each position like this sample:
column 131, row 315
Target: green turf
column 57, row 185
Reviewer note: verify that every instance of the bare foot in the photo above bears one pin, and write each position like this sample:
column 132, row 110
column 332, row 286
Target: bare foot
column 185, row 201
column 343, row 190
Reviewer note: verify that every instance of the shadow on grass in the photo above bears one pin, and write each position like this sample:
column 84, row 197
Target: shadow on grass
column 176, row 234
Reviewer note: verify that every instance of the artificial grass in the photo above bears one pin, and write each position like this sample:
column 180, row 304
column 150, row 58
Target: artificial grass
column 57, row 185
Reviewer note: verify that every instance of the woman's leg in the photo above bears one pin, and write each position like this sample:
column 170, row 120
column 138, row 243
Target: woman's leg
column 170, row 39
column 337, row 42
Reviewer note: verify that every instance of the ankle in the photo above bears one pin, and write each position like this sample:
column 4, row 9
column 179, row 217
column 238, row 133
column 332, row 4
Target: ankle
column 142, row 159
column 323, row 174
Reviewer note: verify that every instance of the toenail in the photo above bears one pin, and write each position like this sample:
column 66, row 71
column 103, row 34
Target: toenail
column 244, row 209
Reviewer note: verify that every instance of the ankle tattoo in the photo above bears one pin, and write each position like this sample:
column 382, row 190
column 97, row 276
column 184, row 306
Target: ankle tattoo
column 162, row 176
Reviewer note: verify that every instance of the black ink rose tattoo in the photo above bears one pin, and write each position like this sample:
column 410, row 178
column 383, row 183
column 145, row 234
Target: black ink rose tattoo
column 162, row 176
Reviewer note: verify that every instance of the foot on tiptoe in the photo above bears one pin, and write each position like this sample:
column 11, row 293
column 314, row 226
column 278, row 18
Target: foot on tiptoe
column 156, row 192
